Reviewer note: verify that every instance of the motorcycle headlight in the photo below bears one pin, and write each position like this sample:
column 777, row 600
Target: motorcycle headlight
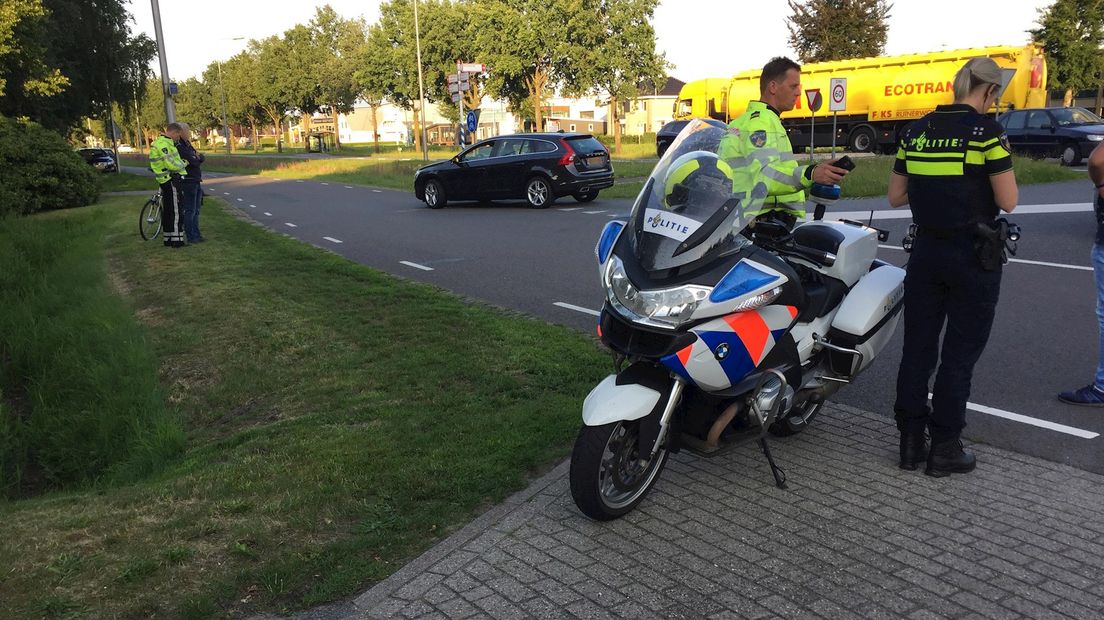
column 667, row 308
column 1096, row 137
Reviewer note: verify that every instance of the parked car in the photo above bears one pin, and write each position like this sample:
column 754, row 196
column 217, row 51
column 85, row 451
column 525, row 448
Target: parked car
column 102, row 159
column 667, row 133
column 538, row 167
column 1068, row 133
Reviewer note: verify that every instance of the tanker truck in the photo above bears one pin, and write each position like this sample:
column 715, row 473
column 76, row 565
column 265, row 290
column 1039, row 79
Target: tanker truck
column 883, row 94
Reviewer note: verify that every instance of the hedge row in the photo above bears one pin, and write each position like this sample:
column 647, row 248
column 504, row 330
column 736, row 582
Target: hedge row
column 39, row 170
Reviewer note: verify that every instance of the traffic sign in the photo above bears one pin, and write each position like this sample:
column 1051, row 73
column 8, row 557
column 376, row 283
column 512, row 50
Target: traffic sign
column 453, row 78
column 471, row 67
column 453, row 87
column 456, row 97
column 173, row 89
column 838, row 100
column 463, row 75
column 812, row 95
column 471, row 121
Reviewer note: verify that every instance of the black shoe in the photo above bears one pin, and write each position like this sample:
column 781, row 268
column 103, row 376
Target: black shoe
column 948, row 458
column 914, row 447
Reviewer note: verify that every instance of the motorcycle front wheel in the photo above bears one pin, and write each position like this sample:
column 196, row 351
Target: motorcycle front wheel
column 610, row 472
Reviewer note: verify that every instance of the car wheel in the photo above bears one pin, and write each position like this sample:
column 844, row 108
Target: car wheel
column 538, row 192
column 585, row 196
column 434, row 194
column 1071, row 155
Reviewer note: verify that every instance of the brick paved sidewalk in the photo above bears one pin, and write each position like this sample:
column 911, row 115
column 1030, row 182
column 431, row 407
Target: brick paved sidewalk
column 852, row 536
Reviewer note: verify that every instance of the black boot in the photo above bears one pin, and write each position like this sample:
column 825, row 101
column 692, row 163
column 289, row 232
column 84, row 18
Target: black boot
column 948, row 457
column 914, row 446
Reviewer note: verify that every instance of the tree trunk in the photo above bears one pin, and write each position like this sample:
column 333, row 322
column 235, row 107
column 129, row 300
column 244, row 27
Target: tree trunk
column 1067, row 99
column 616, row 115
column 1100, row 99
column 256, row 145
column 536, row 83
column 337, row 128
column 305, row 125
column 278, row 127
column 375, row 126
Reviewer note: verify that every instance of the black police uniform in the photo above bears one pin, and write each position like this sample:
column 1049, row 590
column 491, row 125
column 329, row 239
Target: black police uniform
column 948, row 157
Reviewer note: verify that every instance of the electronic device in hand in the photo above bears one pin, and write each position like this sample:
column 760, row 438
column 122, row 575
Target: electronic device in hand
column 843, row 162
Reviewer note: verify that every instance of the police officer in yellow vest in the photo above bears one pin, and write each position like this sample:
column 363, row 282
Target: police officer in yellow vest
column 954, row 169
column 169, row 168
column 757, row 144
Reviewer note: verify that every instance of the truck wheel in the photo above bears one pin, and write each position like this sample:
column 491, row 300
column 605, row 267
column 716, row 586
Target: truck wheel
column 862, row 139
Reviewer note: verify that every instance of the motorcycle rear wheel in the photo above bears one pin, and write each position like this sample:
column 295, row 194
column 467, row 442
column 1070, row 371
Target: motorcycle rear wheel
column 608, row 476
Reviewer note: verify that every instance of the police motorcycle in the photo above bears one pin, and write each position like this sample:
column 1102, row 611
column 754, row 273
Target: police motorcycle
column 723, row 329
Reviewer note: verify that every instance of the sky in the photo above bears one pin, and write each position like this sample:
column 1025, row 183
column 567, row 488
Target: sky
column 701, row 38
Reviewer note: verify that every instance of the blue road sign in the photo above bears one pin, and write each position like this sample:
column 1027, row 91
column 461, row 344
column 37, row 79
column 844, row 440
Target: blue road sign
column 173, row 89
column 471, row 121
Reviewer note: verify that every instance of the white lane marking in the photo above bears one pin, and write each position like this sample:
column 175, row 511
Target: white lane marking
column 571, row 209
column 252, row 206
column 577, row 308
column 226, row 193
column 612, row 215
column 906, row 214
column 290, row 225
column 348, row 187
column 594, row 212
column 268, row 214
column 240, row 200
column 1018, row 260
column 415, row 265
column 299, row 181
column 1053, row 426
column 332, row 240
column 377, row 191
column 325, row 184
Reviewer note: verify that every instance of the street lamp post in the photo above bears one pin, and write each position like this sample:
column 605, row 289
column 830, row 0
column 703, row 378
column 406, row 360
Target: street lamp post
column 170, row 109
column 421, row 87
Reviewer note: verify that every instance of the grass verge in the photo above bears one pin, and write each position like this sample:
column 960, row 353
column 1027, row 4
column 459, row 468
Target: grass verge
column 339, row 421
column 126, row 182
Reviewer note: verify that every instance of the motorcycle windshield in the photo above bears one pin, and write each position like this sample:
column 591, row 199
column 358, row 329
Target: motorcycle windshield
column 696, row 201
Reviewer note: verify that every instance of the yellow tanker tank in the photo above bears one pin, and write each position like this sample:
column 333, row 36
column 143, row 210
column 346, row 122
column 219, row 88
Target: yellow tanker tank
column 882, row 92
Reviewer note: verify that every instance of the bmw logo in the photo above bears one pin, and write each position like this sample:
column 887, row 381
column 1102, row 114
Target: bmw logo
column 721, row 351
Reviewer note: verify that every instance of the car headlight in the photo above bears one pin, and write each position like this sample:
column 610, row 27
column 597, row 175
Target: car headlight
column 1095, row 137
column 666, row 308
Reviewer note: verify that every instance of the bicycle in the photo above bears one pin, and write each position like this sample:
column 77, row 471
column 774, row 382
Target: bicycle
column 149, row 219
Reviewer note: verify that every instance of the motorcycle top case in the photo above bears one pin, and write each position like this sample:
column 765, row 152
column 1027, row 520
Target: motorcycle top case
column 729, row 348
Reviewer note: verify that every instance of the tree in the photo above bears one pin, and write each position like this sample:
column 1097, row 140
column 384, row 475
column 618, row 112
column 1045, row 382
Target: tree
column 372, row 75
column 540, row 54
column 197, row 103
column 1071, row 33
column 835, row 29
column 339, row 42
column 270, row 95
column 71, row 61
column 621, row 52
column 297, row 73
column 243, row 102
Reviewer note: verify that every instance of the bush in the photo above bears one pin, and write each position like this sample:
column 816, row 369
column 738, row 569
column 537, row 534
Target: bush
column 40, row 171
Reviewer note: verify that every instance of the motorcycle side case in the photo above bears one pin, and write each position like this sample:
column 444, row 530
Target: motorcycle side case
column 867, row 317
column 855, row 247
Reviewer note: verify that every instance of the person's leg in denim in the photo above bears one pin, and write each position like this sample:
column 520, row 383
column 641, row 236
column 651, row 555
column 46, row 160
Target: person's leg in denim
column 1092, row 395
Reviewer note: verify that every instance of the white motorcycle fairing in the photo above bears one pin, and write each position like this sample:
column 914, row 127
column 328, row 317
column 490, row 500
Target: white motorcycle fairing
column 609, row 402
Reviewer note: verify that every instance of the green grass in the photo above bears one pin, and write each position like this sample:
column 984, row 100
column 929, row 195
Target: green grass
column 125, row 182
column 85, row 402
column 339, row 421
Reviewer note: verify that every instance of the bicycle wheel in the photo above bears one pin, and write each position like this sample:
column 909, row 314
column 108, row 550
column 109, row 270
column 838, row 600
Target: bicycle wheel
column 149, row 220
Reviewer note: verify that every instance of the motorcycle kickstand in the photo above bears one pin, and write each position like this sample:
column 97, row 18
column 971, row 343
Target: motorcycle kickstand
column 779, row 475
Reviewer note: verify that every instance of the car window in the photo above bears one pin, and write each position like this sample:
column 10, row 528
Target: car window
column 1070, row 116
column 586, row 144
column 482, row 151
column 1038, row 119
column 510, row 147
column 1014, row 120
column 684, row 107
column 539, row 146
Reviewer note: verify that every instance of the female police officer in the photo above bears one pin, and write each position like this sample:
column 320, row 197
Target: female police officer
column 954, row 169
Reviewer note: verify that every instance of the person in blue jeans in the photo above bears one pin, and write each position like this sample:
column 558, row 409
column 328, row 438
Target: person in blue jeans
column 190, row 188
column 1092, row 395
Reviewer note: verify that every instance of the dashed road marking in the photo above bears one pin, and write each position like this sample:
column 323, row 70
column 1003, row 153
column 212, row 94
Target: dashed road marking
column 252, row 206
column 300, row 181
column 577, row 308
column 226, row 193
column 325, row 184
column 268, row 214
column 572, row 209
column 377, row 191
column 348, row 187
column 240, row 200
column 289, row 224
column 594, row 212
column 332, row 240
column 415, row 265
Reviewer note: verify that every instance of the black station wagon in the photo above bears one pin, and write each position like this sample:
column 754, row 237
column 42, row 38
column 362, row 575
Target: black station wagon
column 536, row 167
